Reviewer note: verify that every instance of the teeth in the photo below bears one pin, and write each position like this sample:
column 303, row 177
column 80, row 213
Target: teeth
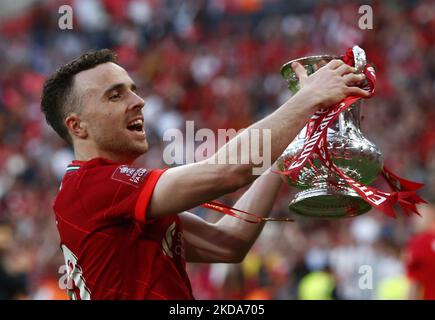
column 136, row 122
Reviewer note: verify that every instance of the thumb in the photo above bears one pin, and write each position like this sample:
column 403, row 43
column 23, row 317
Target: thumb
column 300, row 71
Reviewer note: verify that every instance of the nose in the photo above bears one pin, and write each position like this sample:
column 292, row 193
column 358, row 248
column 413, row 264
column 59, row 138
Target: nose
column 137, row 103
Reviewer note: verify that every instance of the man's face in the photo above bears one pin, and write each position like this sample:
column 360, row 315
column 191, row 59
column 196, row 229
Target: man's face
column 111, row 111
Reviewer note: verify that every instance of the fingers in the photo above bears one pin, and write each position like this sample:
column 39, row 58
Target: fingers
column 352, row 78
column 345, row 69
column 334, row 64
column 322, row 63
column 300, row 71
column 356, row 91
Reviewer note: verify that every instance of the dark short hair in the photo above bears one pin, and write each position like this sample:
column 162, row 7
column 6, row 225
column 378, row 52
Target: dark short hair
column 57, row 99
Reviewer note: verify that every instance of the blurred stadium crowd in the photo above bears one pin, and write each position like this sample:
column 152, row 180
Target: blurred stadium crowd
column 217, row 62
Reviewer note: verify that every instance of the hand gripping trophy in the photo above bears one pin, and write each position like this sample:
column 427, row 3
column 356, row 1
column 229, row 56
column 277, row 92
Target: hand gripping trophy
column 331, row 161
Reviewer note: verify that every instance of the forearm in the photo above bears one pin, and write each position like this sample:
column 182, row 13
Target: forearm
column 259, row 200
column 271, row 136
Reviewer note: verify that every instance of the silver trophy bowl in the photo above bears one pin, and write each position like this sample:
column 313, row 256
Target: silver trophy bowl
column 323, row 193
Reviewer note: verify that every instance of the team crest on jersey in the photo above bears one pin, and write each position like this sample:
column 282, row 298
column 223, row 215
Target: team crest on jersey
column 130, row 175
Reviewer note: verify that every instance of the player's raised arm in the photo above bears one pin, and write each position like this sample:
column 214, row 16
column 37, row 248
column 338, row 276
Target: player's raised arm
column 185, row 187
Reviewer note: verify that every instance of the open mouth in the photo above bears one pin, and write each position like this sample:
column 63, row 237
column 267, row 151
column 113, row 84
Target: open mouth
column 136, row 125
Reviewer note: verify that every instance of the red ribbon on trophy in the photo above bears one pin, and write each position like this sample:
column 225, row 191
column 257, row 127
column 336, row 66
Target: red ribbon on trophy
column 403, row 191
column 240, row 214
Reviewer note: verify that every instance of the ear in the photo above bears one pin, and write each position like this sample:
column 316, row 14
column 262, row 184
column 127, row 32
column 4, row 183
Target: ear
column 76, row 126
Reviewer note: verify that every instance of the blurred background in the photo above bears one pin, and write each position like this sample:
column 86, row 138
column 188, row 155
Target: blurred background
column 217, row 62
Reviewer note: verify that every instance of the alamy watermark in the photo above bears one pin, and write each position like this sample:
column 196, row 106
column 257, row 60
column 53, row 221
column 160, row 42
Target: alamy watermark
column 365, row 281
column 65, row 21
column 366, row 19
column 250, row 147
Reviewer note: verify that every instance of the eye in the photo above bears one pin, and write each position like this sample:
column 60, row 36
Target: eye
column 115, row 96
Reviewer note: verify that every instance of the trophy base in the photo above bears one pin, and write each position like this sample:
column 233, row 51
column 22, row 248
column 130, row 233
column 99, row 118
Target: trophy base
column 329, row 202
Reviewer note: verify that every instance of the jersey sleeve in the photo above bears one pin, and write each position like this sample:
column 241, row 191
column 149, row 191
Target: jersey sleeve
column 118, row 192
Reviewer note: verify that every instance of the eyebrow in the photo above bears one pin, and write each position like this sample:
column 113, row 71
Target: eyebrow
column 117, row 86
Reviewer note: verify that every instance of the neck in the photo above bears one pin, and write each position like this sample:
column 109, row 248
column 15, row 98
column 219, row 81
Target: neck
column 86, row 155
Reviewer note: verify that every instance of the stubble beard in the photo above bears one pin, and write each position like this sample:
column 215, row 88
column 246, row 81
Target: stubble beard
column 124, row 147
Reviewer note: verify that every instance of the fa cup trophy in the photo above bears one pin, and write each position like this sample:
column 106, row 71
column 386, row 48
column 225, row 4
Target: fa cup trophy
column 323, row 193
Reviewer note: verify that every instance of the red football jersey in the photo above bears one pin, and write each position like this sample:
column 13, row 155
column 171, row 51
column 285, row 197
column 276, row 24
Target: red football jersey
column 111, row 250
column 420, row 262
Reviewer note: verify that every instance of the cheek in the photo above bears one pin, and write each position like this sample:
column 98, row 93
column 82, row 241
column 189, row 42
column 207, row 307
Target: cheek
column 104, row 125
column 106, row 120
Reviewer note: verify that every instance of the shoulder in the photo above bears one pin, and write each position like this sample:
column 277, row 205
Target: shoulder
column 131, row 175
column 104, row 171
